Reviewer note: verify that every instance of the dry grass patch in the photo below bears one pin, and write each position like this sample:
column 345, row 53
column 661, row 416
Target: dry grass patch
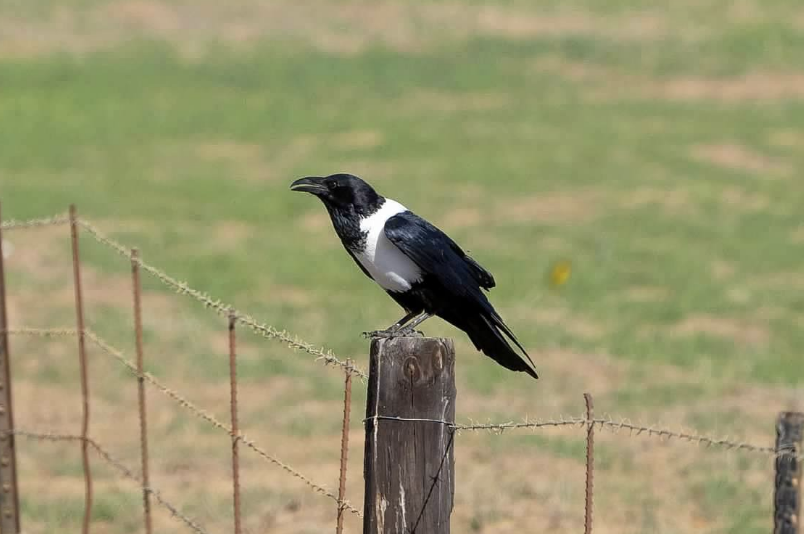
column 779, row 281
column 358, row 139
column 445, row 102
column 577, row 71
column 797, row 235
column 41, row 253
column 560, row 207
column 749, row 87
column 252, row 162
column 573, row 324
column 611, row 84
column 788, row 138
column 342, row 27
column 230, row 236
column 675, row 201
column 741, row 332
column 646, row 294
column 740, row 158
column 743, row 200
column 722, row 269
column 462, row 218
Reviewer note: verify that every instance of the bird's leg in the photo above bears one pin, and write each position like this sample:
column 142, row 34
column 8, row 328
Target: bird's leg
column 400, row 323
column 409, row 328
column 391, row 330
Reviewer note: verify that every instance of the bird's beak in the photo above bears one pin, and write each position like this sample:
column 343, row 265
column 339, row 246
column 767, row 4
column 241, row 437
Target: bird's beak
column 310, row 184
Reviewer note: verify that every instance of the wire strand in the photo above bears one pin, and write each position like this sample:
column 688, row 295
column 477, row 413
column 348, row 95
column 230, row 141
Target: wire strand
column 125, row 471
column 603, row 423
column 211, row 419
column 14, row 224
column 221, row 308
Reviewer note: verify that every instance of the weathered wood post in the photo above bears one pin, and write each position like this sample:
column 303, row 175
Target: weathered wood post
column 787, row 494
column 409, row 459
column 9, row 496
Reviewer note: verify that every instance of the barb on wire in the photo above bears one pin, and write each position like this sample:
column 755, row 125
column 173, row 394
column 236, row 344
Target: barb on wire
column 211, row 419
column 697, row 439
column 41, row 332
column 14, row 224
column 221, row 308
column 125, row 471
column 604, row 423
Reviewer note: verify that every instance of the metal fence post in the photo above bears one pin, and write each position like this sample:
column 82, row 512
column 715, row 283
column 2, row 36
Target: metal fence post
column 590, row 463
column 347, row 409
column 82, row 360
column 235, row 424
column 146, row 480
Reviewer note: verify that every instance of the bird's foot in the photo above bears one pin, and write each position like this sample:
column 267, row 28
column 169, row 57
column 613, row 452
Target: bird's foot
column 408, row 332
column 371, row 334
column 388, row 334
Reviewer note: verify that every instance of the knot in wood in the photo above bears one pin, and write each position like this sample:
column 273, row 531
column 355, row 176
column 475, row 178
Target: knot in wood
column 438, row 359
column 412, row 369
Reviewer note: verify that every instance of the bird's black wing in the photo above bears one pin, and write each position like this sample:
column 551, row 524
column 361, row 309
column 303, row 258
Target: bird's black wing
column 429, row 248
column 482, row 276
column 440, row 257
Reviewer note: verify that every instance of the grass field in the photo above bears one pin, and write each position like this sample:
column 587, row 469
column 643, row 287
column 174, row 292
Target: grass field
column 656, row 146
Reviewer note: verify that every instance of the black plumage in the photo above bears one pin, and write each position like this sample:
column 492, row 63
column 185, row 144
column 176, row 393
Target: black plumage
column 417, row 264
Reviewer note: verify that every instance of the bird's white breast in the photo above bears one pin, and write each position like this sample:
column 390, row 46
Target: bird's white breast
column 389, row 266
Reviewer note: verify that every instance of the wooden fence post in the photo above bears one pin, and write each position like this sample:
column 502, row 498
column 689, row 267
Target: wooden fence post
column 787, row 494
column 408, row 464
column 9, row 497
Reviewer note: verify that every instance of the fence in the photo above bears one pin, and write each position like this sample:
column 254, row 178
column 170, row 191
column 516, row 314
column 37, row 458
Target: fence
column 787, row 452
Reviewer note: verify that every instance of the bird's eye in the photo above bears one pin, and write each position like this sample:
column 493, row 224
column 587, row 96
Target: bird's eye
column 332, row 185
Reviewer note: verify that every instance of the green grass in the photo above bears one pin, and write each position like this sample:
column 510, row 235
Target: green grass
column 133, row 148
column 593, row 159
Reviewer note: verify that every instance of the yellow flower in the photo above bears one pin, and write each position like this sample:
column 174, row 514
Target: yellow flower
column 560, row 272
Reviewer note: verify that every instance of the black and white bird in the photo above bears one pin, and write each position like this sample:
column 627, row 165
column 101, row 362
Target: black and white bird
column 417, row 264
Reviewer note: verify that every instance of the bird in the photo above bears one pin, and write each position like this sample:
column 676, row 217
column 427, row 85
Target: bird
column 418, row 266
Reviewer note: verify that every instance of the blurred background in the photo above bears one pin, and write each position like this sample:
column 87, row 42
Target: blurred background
column 652, row 151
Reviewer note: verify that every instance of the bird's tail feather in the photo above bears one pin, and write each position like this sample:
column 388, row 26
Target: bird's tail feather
column 486, row 332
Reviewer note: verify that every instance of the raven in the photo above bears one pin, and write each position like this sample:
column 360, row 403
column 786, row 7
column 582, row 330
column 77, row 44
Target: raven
column 417, row 264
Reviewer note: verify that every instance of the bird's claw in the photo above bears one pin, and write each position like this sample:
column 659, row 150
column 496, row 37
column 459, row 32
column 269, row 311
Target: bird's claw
column 409, row 332
column 389, row 334
column 377, row 333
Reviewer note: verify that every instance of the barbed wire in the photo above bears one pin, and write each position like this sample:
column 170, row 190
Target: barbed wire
column 269, row 332
column 211, row 419
column 14, row 224
column 125, row 471
column 40, row 332
column 608, row 424
column 695, row 438
column 221, row 308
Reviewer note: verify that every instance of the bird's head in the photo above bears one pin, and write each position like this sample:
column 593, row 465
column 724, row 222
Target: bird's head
column 341, row 192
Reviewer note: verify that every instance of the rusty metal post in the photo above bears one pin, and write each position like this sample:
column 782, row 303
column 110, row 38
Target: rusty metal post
column 82, row 360
column 347, row 409
column 590, row 463
column 9, row 495
column 146, row 482
column 787, row 490
column 235, row 427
